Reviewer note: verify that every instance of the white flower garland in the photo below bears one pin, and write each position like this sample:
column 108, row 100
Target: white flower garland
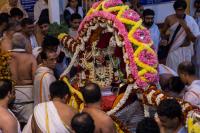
column 158, row 98
column 146, row 110
column 149, row 97
column 67, row 70
column 129, row 89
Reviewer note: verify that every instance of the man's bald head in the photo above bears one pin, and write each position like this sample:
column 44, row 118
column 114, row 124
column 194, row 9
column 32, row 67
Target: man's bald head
column 91, row 93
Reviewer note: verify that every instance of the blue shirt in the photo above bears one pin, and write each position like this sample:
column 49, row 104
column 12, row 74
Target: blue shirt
column 155, row 36
column 182, row 130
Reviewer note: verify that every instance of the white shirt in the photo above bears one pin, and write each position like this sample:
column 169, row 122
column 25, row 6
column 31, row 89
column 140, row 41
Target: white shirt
column 166, row 70
column 80, row 11
column 155, row 36
column 73, row 33
column 192, row 93
column 39, row 6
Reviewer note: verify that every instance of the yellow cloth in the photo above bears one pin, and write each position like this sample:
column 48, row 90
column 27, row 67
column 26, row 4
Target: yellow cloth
column 2, row 3
column 6, row 8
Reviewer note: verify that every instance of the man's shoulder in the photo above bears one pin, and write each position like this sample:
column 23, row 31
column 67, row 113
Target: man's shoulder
column 154, row 27
column 195, row 86
column 193, row 89
column 102, row 116
column 190, row 19
column 6, row 116
column 170, row 17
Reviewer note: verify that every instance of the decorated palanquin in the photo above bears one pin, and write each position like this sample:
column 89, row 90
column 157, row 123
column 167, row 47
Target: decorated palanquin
column 115, row 51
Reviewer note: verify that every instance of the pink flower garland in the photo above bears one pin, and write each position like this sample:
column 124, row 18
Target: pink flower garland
column 142, row 35
column 152, row 78
column 96, row 4
column 131, row 14
column 148, row 58
column 140, row 83
column 122, row 31
column 112, row 3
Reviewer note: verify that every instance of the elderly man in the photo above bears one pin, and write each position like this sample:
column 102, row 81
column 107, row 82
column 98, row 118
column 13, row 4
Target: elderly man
column 23, row 67
column 44, row 74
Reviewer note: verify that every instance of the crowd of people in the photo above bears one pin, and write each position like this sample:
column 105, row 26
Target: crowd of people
column 37, row 102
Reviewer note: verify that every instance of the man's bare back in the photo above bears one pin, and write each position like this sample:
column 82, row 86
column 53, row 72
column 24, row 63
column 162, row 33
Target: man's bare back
column 23, row 67
column 5, row 44
column 103, row 123
column 65, row 112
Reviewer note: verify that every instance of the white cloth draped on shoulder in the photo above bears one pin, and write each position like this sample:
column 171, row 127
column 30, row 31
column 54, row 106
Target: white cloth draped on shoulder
column 47, row 119
column 43, row 78
column 178, row 54
column 166, row 70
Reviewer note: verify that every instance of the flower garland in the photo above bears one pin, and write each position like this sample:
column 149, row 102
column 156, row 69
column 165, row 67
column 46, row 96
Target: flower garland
column 128, row 91
column 112, row 3
column 114, row 15
column 131, row 15
column 147, row 57
column 140, row 58
column 192, row 121
column 143, row 36
column 5, row 72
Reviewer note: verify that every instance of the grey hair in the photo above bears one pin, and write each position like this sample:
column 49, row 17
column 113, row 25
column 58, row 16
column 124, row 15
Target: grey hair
column 18, row 41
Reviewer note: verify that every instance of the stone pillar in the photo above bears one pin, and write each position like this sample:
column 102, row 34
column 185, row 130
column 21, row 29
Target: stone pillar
column 54, row 11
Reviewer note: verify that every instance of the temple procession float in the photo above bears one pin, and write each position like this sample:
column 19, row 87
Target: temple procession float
column 115, row 51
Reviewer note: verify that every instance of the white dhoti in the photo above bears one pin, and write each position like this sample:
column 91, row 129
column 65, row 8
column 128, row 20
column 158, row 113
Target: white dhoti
column 47, row 119
column 23, row 106
column 178, row 56
column 177, row 53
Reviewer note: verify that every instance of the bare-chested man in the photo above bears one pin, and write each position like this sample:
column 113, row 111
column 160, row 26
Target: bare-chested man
column 8, row 122
column 92, row 97
column 23, row 67
column 183, row 31
column 59, row 114
column 5, row 42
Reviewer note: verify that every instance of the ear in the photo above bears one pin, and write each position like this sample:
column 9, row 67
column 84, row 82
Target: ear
column 66, row 98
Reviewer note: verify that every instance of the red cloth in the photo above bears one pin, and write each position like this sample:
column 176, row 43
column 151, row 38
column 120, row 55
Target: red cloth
column 107, row 102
